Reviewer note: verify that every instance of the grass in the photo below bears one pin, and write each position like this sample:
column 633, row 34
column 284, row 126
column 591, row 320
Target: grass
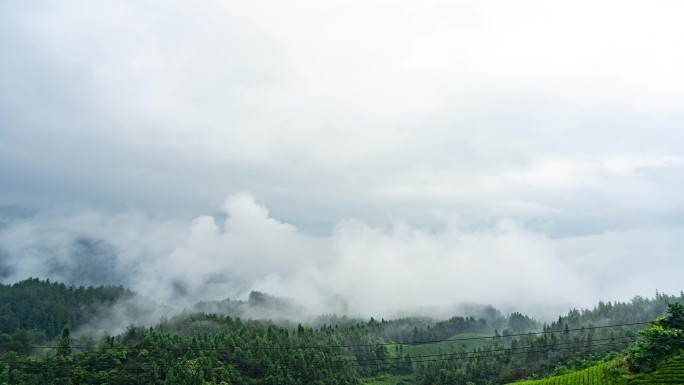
column 388, row 379
column 593, row 375
column 671, row 371
column 454, row 344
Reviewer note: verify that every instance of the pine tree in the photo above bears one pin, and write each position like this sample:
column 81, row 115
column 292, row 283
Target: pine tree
column 4, row 376
column 64, row 345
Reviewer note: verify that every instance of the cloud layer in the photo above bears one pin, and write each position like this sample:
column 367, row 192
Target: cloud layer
column 342, row 109
column 479, row 151
column 359, row 269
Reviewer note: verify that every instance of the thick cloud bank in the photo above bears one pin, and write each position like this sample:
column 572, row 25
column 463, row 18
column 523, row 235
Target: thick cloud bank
column 338, row 109
column 413, row 154
column 358, row 269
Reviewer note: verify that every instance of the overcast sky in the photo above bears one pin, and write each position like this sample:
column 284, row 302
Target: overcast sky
column 323, row 146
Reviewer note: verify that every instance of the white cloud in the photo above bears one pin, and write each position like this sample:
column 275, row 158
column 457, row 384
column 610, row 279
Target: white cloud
column 359, row 269
column 563, row 117
column 629, row 164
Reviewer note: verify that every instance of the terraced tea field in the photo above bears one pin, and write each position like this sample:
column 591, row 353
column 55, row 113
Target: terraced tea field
column 457, row 343
column 670, row 371
column 595, row 375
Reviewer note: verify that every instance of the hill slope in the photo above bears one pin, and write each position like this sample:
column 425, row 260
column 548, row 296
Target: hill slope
column 596, row 374
column 47, row 306
column 670, row 371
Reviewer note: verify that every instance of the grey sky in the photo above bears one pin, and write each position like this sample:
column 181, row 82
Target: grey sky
column 452, row 118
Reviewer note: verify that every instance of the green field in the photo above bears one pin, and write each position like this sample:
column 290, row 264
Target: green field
column 457, row 343
column 388, row 380
column 670, row 371
column 595, row 375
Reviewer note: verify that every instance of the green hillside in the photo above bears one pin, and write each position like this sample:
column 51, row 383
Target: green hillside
column 389, row 380
column 45, row 306
column 656, row 357
column 595, row 375
column 464, row 342
column 671, row 371
column 205, row 348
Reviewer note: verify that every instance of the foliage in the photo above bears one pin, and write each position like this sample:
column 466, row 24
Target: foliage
column 389, row 380
column 664, row 338
column 45, row 307
column 240, row 353
column 458, row 343
column 201, row 348
column 64, row 343
column 670, row 371
column 596, row 374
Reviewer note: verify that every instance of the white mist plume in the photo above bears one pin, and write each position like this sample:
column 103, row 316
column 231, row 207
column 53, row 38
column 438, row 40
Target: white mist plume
column 358, row 269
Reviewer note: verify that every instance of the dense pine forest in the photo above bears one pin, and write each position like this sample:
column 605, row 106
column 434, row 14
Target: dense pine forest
column 45, row 339
column 43, row 307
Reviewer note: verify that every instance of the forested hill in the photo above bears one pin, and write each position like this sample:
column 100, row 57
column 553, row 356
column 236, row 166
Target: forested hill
column 607, row 313
column 207, row 348
column 657, row 358
column 44, row 307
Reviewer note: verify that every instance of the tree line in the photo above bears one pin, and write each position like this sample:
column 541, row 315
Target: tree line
column 38, row 346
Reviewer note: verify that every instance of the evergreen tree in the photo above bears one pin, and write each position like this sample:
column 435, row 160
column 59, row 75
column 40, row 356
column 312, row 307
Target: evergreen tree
column 64, row 343
column 664, row 338
column 4, row 376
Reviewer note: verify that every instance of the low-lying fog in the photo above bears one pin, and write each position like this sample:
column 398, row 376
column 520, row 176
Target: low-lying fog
column 358, row 269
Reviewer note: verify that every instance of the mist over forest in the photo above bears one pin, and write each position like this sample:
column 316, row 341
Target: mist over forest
column 402, row 158
column 499, row 181
column 359, row 269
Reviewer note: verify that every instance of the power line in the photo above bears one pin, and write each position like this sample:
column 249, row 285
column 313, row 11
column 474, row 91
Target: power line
column 378, row 344
column 527, row 334
column 337, row 361
column 362, row 362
